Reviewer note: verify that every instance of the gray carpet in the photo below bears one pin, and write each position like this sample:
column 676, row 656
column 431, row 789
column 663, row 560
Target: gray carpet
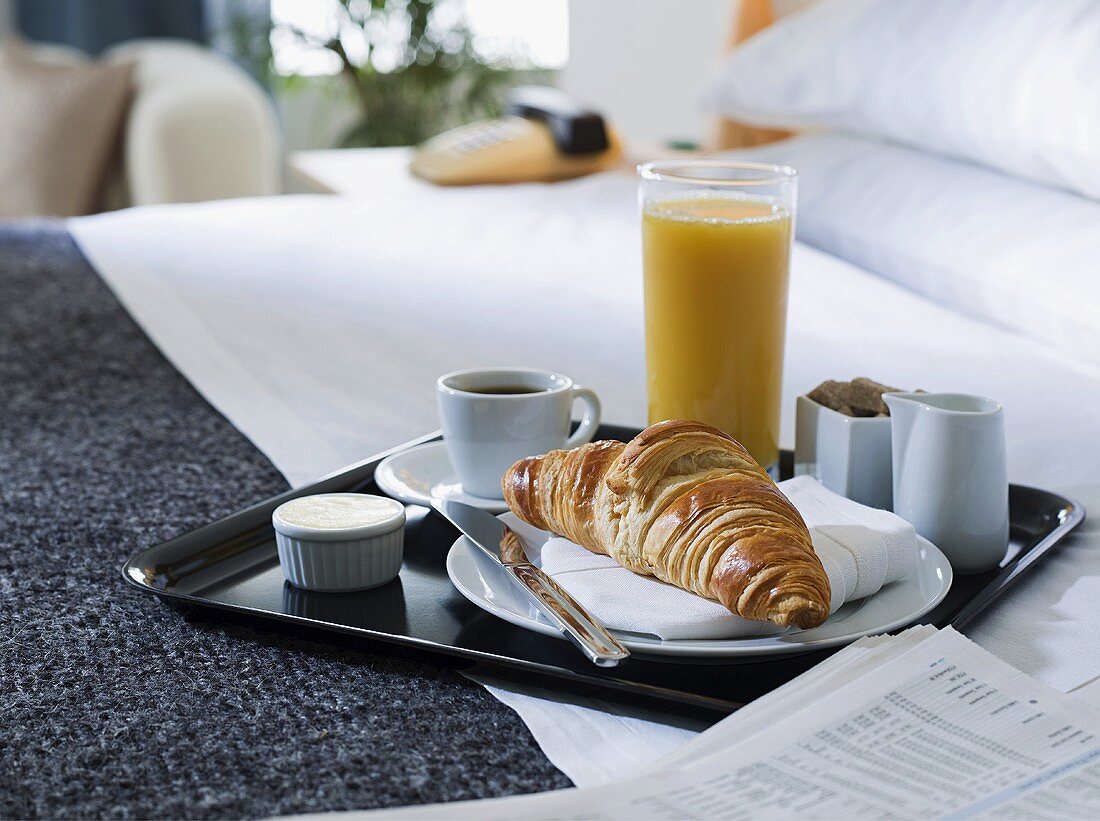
column 112, row 704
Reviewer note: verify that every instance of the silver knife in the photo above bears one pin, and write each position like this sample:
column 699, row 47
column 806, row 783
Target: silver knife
column 486, row 532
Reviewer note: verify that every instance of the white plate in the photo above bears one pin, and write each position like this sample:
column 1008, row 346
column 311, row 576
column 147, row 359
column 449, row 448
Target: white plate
column 418, row 475
column 483, row 582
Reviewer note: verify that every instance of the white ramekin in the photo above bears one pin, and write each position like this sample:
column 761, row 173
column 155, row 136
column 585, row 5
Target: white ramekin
column 341, row 559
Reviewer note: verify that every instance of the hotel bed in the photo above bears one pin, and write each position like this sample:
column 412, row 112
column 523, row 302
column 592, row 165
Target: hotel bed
column 302, row 333
column 315, row 326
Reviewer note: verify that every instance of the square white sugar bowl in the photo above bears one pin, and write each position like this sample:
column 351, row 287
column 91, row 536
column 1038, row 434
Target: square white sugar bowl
column 850, row 455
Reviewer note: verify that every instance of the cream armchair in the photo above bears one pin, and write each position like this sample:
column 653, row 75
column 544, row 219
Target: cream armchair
column 199, row 128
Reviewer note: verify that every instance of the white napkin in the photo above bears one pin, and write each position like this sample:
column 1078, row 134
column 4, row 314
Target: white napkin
column 861, row 549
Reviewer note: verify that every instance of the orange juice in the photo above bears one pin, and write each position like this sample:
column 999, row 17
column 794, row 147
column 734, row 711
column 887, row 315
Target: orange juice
column 716, row 313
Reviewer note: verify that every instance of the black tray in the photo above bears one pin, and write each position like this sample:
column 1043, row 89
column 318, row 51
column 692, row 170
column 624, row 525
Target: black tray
column 231, row 564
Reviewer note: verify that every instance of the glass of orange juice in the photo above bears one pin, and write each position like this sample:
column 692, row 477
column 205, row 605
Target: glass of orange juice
column 716, row 242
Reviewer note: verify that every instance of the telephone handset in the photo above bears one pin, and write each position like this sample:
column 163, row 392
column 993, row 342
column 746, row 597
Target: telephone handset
column 544, row 135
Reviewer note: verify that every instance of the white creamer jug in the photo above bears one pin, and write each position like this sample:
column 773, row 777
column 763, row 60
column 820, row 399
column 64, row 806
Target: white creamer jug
column 950, row 474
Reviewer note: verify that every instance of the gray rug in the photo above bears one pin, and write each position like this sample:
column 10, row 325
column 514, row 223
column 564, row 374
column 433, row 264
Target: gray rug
column 112, row 704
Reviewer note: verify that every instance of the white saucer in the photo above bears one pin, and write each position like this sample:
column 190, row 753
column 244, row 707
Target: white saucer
column 418, row 475
column 896, row 605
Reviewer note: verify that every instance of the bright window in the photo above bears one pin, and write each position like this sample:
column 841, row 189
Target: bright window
column 536, row 30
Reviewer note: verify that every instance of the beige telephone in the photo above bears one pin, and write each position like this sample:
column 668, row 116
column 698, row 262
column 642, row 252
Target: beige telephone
column 545, row 135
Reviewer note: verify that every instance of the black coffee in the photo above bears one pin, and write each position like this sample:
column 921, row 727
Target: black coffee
column 499, row 389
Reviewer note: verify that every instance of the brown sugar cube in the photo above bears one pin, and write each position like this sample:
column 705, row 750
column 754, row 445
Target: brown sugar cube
column 833, row 395
column 862, row 397
column 866, row 395
column 861, row 412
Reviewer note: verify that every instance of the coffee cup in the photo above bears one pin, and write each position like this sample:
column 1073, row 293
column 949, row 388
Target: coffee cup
column 491, row 417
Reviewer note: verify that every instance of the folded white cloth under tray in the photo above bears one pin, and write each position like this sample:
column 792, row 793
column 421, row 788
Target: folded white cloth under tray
column 861, row 549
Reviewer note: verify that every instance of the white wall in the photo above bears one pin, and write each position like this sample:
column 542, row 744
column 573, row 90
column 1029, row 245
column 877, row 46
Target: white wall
column 642, row 63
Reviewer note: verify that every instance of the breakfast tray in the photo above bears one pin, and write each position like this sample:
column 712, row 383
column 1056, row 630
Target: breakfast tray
column 230, row 569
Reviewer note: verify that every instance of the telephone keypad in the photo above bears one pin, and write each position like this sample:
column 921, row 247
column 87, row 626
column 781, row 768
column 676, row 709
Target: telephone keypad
column 483, row 135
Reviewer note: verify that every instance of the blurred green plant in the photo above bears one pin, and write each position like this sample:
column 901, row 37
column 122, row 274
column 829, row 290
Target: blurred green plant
column 412, row 74
column 245, row 37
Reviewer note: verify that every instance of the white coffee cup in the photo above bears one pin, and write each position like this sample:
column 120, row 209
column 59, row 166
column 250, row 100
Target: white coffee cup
column 492, row 417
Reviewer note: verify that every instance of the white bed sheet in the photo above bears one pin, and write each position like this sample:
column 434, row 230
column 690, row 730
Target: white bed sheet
column 317, row 326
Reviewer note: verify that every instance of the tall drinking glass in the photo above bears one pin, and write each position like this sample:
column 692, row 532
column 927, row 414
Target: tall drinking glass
column 716, row 250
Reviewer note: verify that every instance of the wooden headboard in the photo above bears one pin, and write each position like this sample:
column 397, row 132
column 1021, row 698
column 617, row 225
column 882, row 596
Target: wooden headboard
column 749, row 17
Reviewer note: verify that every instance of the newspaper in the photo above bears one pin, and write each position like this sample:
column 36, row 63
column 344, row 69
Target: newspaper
column 921, row 725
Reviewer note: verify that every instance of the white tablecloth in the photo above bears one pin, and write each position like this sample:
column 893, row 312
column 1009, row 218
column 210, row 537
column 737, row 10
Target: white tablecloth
column 317, row 326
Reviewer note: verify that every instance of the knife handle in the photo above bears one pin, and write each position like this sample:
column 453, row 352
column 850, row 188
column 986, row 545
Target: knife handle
column 601, row 648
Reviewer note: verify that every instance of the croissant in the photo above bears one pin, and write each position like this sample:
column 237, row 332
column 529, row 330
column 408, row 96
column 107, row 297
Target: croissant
column 686, row 503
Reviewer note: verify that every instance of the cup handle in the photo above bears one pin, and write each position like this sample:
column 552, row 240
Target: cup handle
column 591, row 419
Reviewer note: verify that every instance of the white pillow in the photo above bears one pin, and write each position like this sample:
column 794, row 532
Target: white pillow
column 1014, row 84
column 1024, row 256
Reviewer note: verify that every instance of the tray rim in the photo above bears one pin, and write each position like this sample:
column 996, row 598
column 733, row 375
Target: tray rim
column 476, row 657
column 1008, row 577
column 1072, row 514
